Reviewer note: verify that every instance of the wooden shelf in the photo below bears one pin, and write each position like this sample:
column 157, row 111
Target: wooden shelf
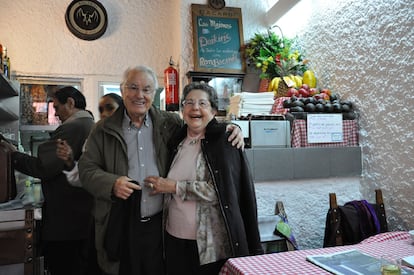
column 7, row 114
column 207, row 76
column 45, row 128
column 7, row 88
column 9, row 109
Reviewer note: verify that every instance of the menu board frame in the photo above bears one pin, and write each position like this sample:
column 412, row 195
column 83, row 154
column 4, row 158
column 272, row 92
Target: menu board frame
column 217, row 39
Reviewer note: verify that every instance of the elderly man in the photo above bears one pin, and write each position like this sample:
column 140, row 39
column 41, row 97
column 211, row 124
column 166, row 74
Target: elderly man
column 67, row 211
column 120, row 153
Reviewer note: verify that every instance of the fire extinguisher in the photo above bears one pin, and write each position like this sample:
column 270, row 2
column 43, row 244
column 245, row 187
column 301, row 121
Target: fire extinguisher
column 171, row 87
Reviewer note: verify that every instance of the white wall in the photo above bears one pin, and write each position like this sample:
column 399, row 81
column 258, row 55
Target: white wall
column 139, row 32
column 363, row 50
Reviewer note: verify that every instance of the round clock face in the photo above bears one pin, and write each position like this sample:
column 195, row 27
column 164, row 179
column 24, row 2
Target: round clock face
column 217, row 4
column 86, row 19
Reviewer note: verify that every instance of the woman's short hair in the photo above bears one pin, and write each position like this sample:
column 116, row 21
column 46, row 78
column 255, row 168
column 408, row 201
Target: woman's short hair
column 210, row 91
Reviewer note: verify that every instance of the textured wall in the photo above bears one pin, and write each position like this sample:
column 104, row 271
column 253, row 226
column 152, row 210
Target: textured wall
column 40, row 44
column 362, row 50
column 306, row 204
column 138, row 32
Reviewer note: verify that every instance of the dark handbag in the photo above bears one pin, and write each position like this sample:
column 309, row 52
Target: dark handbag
column 8, row 188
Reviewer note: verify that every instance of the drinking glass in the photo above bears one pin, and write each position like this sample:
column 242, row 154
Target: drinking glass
column 390, row 265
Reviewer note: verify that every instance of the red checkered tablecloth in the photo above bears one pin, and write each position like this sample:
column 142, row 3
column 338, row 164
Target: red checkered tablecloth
column 277, row 107
column 294, row 262
column 387, row 236
column 299, row 135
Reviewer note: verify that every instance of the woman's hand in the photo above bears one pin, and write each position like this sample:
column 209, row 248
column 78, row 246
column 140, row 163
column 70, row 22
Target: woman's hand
column 160, row 185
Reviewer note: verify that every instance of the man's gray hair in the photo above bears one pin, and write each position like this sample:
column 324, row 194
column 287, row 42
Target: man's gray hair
column 140, row 68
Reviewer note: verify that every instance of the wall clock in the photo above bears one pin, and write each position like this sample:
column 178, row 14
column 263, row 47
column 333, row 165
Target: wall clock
column 86, row 19
column 217, row 4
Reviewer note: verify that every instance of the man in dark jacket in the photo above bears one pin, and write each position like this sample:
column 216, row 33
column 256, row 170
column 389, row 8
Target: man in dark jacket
column 67, row 210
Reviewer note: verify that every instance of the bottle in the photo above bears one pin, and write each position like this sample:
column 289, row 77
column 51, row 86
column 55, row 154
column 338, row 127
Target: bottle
column 171, row 87
column 37, row 194
column 1, row 58
column 28, row 193
column 6, row 64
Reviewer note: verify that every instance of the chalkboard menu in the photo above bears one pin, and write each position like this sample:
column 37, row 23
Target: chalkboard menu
column 217, row 38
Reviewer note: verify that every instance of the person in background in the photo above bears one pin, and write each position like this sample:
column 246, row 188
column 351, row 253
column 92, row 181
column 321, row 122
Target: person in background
column 67, row 211
column 211, row 212
column 120, row 152
column 107, row 106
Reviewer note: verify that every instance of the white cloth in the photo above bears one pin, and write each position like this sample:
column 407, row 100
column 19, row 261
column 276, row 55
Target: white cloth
column 73, row 176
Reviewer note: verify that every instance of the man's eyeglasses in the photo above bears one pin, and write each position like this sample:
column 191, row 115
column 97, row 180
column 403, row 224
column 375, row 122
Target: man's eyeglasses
column 202, row 103
column 136, row 89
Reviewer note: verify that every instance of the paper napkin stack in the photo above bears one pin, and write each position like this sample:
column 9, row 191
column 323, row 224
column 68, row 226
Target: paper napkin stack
column 247, row 103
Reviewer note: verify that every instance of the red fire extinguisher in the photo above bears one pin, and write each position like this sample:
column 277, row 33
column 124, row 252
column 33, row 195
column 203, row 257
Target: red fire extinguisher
column 171, row 87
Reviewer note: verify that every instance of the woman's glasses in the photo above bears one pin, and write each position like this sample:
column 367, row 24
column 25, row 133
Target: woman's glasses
column 202, row 103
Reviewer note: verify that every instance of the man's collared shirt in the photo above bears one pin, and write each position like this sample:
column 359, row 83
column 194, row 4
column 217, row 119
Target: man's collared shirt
column 142, row 161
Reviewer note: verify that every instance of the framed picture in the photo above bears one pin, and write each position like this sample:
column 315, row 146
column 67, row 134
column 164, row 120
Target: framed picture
column 217, row 39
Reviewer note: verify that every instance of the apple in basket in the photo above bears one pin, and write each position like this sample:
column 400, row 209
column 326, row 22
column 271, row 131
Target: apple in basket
column 292, row 92
column 305, row 86
column 313, row 91
column 303, row 92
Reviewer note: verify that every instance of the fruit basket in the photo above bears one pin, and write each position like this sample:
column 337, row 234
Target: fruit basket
column 312, row 100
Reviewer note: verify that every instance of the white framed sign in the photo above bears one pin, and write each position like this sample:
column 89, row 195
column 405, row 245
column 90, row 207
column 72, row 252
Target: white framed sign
column 324, row 128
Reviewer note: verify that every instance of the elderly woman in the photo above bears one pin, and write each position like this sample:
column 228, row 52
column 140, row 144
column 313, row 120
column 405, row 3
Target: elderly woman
column 211, row 213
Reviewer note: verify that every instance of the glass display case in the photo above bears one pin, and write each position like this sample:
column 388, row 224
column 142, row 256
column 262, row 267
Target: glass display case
column 37, row 115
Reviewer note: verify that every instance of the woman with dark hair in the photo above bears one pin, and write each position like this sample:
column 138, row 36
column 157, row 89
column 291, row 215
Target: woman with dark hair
column 108, row 104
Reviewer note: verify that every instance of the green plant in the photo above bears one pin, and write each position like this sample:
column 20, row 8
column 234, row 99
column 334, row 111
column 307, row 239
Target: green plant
column 274, row 56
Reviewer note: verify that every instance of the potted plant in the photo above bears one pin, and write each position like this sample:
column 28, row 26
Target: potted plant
column 274, row 56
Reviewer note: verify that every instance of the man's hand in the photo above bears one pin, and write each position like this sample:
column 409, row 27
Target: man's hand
column 124, row 187
column 9, row 145
column 65, row 153
column 236, row 136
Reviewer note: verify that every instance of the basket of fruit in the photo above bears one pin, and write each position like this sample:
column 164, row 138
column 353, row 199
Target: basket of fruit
column 313, row 100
